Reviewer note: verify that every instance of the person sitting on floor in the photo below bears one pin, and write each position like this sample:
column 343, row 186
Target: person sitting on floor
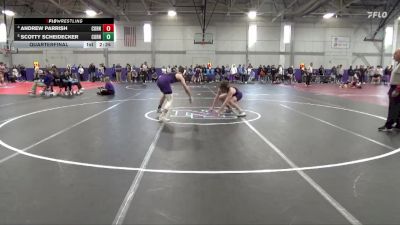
column 354, row 83
column 154, row 75
column 37, row 82
column 42, row 80
column 15, row 74
column 108, row 89
column 377, row 77
column 49, row 82
column 67, row 83
column 77, row 83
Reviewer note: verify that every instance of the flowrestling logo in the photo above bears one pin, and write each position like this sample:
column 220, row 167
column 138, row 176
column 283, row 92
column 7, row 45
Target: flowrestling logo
column 379, row 15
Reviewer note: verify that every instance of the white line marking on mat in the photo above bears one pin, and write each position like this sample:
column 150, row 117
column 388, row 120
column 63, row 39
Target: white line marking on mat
column 363, row 95
column 325, row 106
column 314, row 184
column 58, row 133
column 8, row 104
column 215, row 93
column 147, row 116
column 15, row 103
column 276, row 170
column 340, row 128
column 119, row 218
column 317, row 100
column 61, row 131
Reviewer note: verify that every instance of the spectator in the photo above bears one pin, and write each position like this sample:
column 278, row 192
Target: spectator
column 38, row 81
column 144, row 72
column 15, row 73
column 280, row 74
column 273, row 73
column 81, row 72
column 108, row 88
column 262, row 74
column 118, row 71
column 74, row 71
column 22, row 71
column 334, row 73
column 341, row 73
column 290, row 75
column 250, row 73
column 102, row 72
column 128, row 73
column 309, row 73
column 92, row 72
column 363, row 72
column 357, row 71
column 234, row 72
column 154, row 75
column 217, row 74
column 387, row 72
column 113, row 73
column 135, row 74
column 49, row 82
column 2, row 73
column 350, row 73
column 223, row 72
column 377, row 77
column 371, row 73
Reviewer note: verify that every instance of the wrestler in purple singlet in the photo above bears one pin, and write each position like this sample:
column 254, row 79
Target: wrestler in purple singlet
column 164, row 82
column 238, row 94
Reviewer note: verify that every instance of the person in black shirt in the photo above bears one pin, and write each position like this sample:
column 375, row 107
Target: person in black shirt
column 350, row 73
column 334, row 73
column 223, row 72
column 217, row 74
column 321, row 73
column 386, row 74
column 273, row 73
column 363, row 71
column 92, row 72
column 154, row 75
column 290, row 74
column 22, row 70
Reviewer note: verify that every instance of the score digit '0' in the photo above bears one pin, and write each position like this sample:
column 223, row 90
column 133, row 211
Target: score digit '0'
column 108, row 27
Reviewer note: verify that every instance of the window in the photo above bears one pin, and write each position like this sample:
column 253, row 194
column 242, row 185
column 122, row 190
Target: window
column 147, row 32
column 287, row 31
column 252, row 35
column 388, row 36
column 3, row 33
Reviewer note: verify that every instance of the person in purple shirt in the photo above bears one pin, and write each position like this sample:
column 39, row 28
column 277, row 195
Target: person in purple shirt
column 49, row 81
column 164, row 83
column 108, row 89
column 229, row 96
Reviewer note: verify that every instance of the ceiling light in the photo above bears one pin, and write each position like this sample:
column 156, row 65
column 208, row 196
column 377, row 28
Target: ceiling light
column 8, row 12
column 171, row 13
column 328, row 15
column 252, row 15
column 90, row 13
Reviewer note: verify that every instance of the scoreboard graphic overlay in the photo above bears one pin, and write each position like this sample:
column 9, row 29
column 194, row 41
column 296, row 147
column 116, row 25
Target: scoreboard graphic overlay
column 64, row 33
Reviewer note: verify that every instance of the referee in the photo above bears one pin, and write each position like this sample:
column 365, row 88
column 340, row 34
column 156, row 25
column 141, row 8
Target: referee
column 394, row 96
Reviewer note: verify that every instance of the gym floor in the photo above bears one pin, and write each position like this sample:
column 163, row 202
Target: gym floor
column 301, row 156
